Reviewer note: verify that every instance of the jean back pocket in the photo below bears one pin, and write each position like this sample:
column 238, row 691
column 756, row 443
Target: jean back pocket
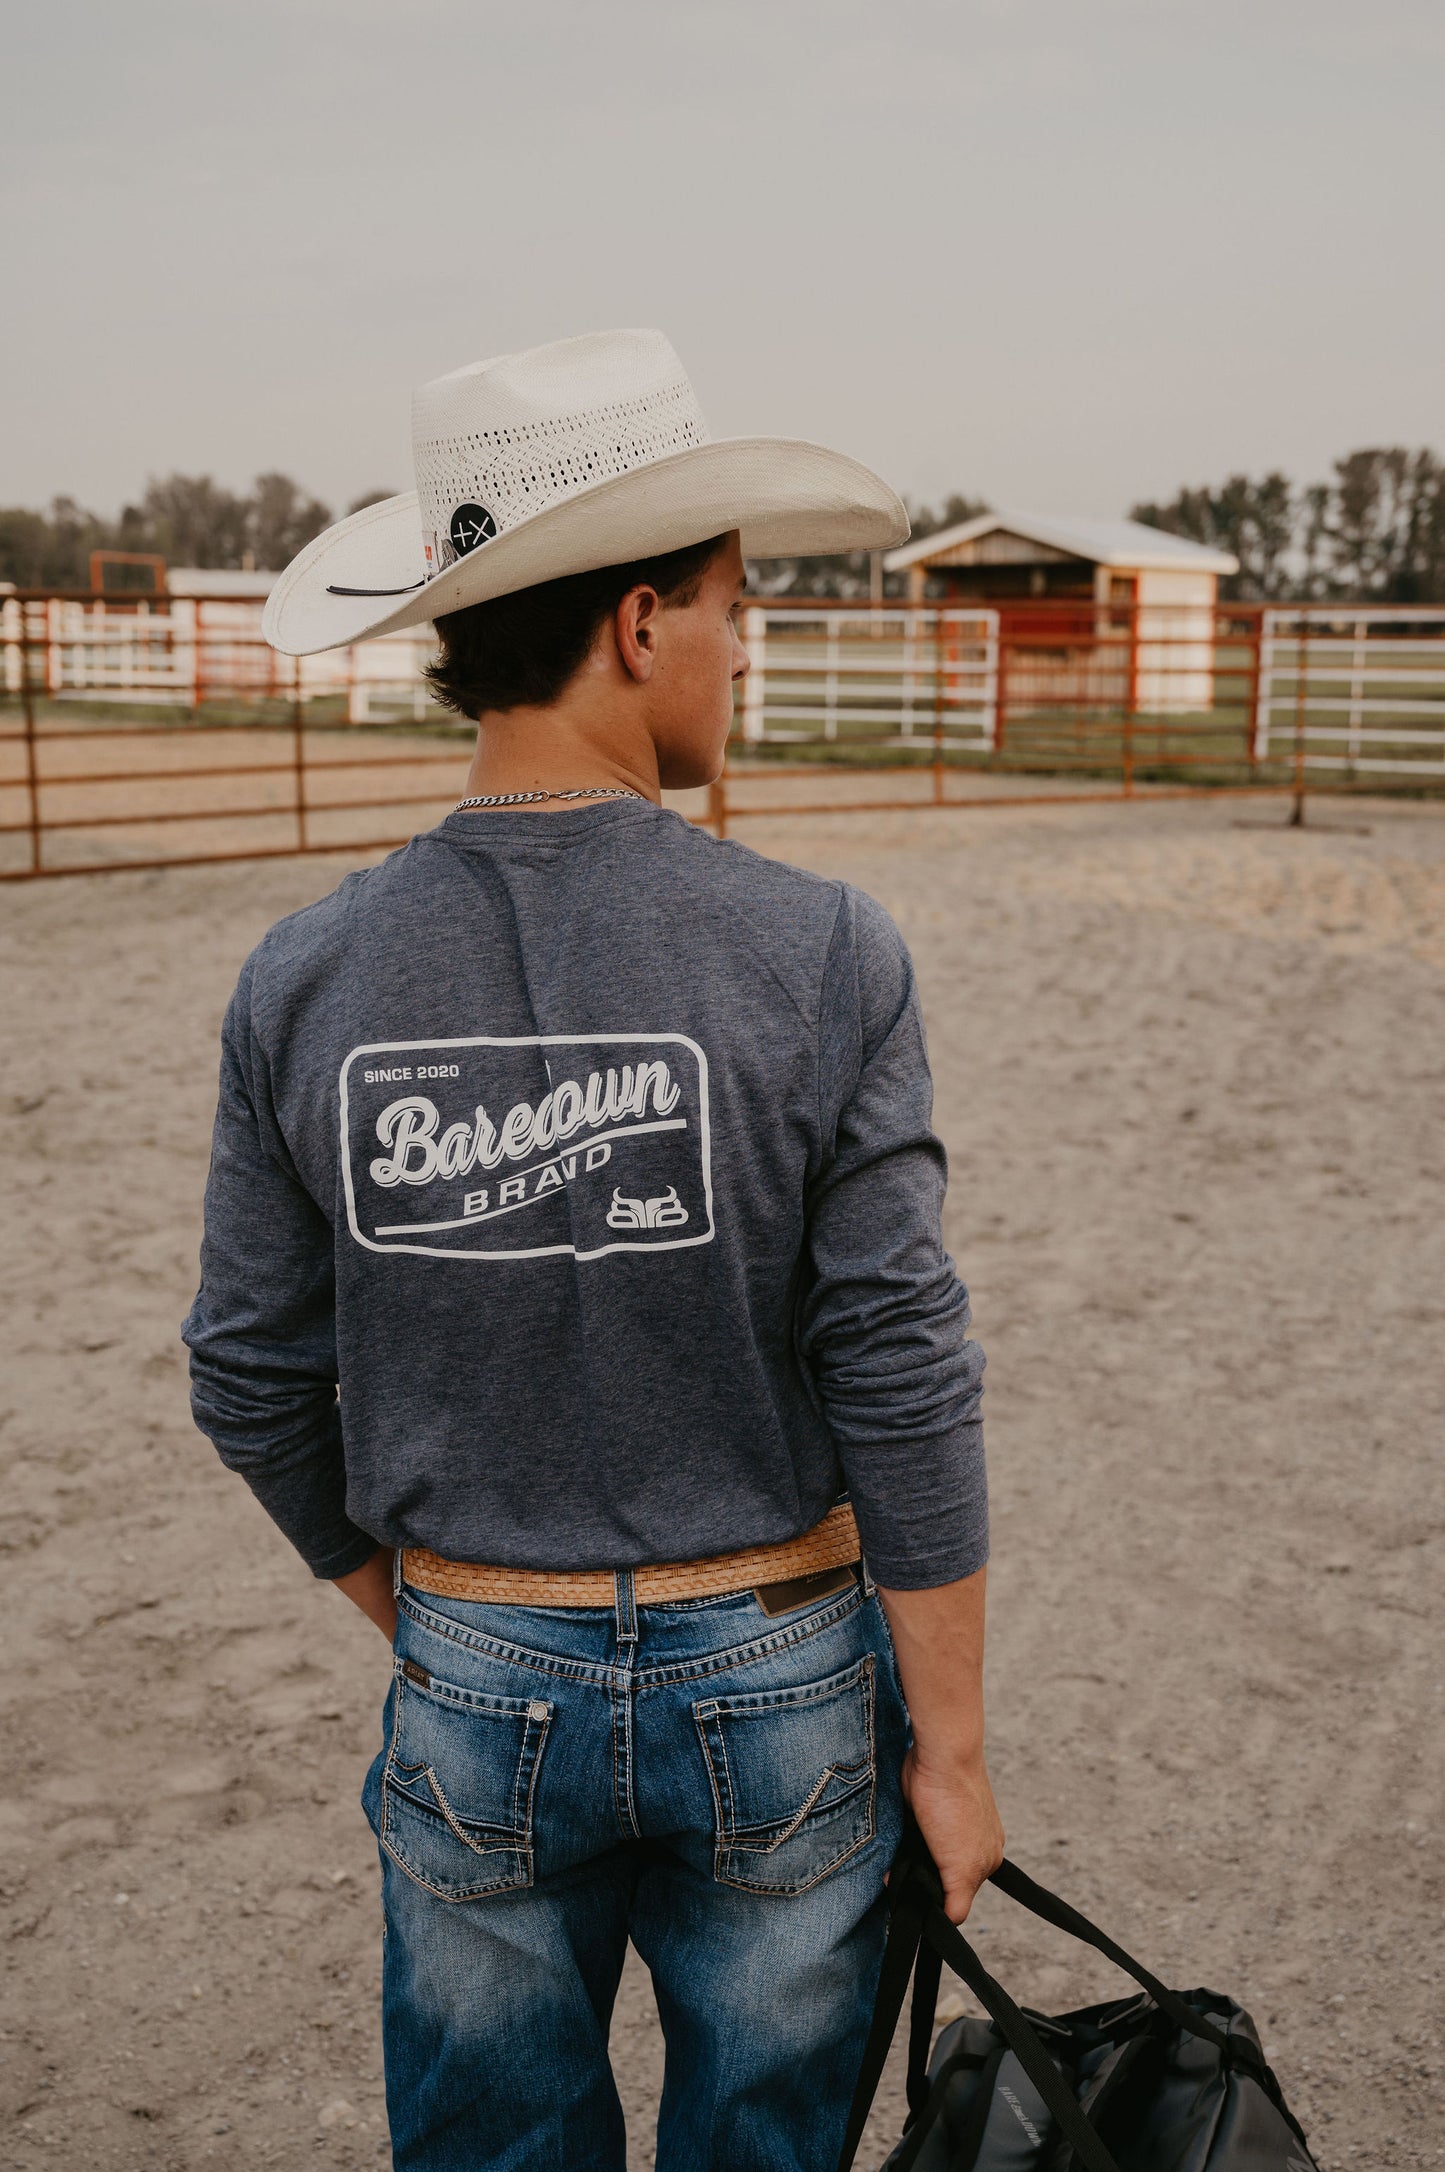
column 457, row 1788
column 793, row 1779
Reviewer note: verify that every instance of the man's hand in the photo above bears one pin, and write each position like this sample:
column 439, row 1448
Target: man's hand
column 938, row 1637
column 959, row 1819
column 369, row 1587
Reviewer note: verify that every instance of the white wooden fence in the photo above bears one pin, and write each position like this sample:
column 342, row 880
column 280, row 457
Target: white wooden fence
column 182, row 650
column 1357, row 689
column 885, row 676
column 1360, row 690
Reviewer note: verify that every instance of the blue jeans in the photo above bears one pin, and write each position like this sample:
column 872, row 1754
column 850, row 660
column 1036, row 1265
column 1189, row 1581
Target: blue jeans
column 720, row 1786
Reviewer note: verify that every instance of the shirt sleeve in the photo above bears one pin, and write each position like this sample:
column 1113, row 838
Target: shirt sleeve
column 884, row 1318
column 262, row 1331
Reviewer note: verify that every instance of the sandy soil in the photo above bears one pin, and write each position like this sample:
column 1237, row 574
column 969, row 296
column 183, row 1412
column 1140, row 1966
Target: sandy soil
column 1190, row 1074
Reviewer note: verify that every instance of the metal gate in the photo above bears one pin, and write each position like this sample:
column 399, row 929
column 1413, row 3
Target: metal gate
column 1353, row 690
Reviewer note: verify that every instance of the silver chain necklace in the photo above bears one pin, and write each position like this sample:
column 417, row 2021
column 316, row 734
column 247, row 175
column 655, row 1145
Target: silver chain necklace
column 521, row 799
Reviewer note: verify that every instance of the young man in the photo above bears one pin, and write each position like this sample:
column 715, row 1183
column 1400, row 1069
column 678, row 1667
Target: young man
column 591, row 1159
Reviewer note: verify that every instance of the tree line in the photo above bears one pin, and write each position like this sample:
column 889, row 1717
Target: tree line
column 189, row 520
column 1374, row 533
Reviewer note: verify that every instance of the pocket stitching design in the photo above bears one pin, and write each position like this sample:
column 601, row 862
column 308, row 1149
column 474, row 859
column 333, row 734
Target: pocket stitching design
column 450, row 1817
column 832, row 1772
column 520, row 1841
column 728, row 1833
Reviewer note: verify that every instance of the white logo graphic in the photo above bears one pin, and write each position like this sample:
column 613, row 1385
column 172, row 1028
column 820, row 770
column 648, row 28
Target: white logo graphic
column 665, row 1213
column 494, row 1148
column 1020, row 2114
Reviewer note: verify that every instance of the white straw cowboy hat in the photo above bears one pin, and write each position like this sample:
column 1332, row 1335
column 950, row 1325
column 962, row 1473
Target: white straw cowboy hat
column 585, row 453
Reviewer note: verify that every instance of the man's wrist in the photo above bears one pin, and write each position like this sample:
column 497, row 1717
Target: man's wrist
column 948, row 1756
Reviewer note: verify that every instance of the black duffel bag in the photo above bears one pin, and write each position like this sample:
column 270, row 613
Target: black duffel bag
column 1163, row 2081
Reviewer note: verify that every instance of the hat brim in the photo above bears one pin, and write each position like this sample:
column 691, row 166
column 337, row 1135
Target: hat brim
column 787, row 497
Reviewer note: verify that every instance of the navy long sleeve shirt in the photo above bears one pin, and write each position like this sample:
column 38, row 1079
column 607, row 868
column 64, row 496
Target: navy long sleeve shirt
column 574, row 1203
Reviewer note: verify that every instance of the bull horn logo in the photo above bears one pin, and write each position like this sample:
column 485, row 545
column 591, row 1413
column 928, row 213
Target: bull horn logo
column 668, row 1212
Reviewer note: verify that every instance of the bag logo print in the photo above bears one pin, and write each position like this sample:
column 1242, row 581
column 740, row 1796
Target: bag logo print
column 1020, row 2114
column 523, row 1146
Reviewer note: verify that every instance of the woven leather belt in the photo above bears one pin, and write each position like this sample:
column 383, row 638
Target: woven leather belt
column 831, row 1544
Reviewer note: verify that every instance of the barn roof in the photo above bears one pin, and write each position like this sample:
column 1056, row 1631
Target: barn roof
column 1103, row 542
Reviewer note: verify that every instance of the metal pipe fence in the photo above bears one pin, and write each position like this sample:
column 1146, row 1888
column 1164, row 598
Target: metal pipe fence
column 141, row 731
column 144, row 731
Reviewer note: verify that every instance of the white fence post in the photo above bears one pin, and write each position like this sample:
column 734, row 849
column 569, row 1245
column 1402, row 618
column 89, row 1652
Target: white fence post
column 990, row 679
column 358, row 694
column 11, row 629
column 755, row 685
column 1264, row 691
column 1357, row 689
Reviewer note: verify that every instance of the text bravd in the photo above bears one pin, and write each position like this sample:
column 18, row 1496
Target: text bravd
column 515, row 1191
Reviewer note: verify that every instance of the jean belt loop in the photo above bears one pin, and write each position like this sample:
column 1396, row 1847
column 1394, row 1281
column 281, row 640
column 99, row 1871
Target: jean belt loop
column 869, row 1587
column 626, row 1594
column 396, row 1556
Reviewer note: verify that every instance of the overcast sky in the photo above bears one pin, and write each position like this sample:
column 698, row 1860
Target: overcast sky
column 1059, row 253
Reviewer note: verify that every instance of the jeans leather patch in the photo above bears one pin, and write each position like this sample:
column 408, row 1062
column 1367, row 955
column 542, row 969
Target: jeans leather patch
column 796, row 1591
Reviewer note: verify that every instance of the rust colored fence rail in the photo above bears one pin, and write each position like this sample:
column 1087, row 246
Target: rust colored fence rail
column 142, row 731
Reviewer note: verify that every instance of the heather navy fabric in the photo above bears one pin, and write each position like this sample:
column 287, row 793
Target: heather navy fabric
column 592, row 1160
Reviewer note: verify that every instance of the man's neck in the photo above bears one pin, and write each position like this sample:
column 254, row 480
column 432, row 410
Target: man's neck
column 567, row 746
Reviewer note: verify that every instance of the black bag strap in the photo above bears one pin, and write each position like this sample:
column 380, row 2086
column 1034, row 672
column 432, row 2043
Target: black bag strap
column 905, row 1932
column 1022, row 2040
column 1040, row 1902
column 915, row 1903
column 927, row 1969
column 920, row 1933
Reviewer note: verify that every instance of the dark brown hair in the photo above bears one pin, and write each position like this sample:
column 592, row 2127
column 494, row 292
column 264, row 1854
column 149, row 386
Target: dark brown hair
column 521, row 650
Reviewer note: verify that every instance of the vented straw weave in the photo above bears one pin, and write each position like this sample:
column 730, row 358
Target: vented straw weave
column 548, row 433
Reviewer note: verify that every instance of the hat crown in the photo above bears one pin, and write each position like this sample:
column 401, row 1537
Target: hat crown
column 500, row 441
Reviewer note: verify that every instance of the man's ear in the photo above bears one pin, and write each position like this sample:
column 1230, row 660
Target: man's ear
column 635, row 628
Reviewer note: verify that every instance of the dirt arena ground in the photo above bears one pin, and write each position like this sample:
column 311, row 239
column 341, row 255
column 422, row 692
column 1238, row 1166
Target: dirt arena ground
column 1191, row 1074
